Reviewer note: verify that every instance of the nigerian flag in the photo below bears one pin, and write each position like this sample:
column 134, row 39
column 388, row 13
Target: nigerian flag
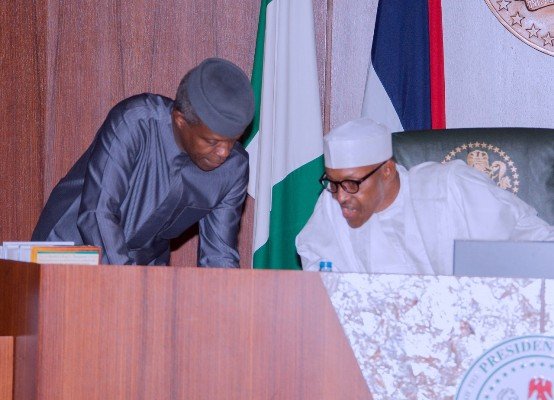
column 285, row 144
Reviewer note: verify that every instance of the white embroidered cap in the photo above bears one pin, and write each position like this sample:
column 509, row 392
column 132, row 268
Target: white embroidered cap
column 357, row 143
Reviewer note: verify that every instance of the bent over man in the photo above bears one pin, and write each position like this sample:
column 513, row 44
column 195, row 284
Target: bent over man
column 157, row 166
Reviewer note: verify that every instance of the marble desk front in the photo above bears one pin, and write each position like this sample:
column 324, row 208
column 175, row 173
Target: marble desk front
column 415, row 337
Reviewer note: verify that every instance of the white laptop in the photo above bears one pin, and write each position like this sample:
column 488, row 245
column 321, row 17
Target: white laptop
column 504, row 259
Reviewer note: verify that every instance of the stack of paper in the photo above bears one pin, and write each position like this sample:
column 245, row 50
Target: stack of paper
column 50, row 253
column 21, row 251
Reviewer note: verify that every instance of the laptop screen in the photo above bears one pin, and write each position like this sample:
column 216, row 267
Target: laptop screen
column 504, row 259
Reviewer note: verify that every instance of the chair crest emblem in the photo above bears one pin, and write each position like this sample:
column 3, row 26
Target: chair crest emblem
column 490, row 160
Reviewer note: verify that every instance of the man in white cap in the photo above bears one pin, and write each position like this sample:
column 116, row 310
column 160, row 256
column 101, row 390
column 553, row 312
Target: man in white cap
column 377, row 217
column 158, row 166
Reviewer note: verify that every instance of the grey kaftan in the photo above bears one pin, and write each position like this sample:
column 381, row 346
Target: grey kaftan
column 133, row 190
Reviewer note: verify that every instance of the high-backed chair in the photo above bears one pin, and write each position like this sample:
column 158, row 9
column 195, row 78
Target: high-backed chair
column 520, row 160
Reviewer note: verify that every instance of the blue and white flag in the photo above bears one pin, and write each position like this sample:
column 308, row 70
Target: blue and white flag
column 455, row 64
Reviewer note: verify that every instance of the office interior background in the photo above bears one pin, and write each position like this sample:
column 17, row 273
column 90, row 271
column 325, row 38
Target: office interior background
column 64, row 64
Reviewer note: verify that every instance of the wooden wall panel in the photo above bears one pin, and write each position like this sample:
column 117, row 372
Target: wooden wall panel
column 21, row 116
column 6, row 367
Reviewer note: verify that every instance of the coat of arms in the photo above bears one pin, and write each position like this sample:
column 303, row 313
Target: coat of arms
column 520, row 368
column 532, row 21
column 490, row 160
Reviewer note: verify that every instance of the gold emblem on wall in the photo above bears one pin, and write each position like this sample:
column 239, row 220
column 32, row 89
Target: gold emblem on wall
column 530, row 20
column 490, row 160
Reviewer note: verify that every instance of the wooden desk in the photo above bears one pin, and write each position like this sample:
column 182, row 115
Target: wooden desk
column 109, row 332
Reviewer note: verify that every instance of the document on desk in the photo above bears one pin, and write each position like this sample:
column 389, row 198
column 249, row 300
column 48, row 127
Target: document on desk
column 21, row 251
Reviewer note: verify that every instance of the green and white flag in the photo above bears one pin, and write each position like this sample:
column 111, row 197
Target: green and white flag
column 285, row 145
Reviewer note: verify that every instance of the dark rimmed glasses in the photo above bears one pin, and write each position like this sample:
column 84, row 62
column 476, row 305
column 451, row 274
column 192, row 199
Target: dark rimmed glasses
column 348, row 185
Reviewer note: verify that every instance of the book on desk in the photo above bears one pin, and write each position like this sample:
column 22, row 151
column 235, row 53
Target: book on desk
column 51, row 253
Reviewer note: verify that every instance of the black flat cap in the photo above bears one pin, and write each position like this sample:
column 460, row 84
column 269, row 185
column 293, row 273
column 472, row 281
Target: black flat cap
column 221, row 95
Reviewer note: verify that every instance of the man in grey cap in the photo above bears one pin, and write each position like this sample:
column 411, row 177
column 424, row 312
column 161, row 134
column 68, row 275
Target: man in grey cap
column 156, row 167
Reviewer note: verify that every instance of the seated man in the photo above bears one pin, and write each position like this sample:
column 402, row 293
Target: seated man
column 157, row 166
column 377, row 217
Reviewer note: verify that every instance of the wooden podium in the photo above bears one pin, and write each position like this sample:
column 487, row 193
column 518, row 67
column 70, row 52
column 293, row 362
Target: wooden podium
column 113, row 332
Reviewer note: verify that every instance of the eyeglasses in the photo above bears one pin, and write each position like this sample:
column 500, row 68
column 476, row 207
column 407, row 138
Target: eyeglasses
column 348, row 185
